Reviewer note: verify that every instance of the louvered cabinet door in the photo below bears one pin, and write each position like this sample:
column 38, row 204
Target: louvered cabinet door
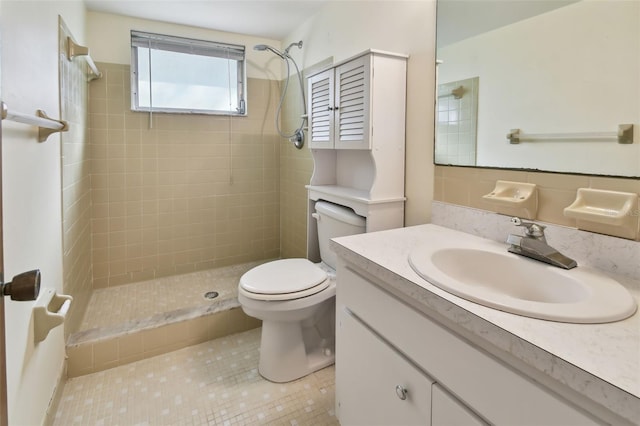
column 351, row 109
column 320, row 110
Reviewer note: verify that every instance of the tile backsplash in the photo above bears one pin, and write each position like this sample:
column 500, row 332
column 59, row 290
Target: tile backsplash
column 465, row 186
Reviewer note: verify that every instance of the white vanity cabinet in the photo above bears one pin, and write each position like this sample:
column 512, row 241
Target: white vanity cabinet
column 382, row 387
column 469, row 386
column 346, row 102
column 448, row 411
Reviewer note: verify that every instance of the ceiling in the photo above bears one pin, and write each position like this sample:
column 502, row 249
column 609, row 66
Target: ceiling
column 461, row 19
column 273, row 19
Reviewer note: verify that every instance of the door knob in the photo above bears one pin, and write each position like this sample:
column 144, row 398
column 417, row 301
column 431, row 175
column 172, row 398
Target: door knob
column 24, row 286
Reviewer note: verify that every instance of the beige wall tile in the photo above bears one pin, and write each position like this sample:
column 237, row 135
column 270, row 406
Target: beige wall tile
column 129, row 346
column 615, row 184
column 551, row 204
column 159, row 177
column 80, row 360
column 465, row 186
column 153, row 339
column 105, row 354
column 76, row 184
column 456, row 190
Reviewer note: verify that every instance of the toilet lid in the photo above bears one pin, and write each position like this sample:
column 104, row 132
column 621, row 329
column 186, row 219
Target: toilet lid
column 282, row 277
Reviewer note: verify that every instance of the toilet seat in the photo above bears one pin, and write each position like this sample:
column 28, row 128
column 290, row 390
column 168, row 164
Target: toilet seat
column 284, row 279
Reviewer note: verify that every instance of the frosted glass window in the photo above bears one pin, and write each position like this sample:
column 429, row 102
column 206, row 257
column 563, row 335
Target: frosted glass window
column 174, row 74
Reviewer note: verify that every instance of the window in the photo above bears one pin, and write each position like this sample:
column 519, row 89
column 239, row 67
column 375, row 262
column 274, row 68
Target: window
column 181, row 75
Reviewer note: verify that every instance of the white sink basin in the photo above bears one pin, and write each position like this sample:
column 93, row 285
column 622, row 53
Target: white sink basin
column 489, row 275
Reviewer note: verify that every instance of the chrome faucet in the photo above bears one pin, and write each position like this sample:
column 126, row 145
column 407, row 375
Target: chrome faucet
column 533, row 244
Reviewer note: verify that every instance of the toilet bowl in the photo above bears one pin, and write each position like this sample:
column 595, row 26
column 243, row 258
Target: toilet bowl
column 295, row 299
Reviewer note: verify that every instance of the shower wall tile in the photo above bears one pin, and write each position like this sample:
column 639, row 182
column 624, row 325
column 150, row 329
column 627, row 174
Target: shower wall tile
column 175, row 193
column 76, row 184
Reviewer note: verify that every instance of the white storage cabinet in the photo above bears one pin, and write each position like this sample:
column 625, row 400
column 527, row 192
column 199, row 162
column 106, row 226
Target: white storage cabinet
column 358, row 103
column 356, row 136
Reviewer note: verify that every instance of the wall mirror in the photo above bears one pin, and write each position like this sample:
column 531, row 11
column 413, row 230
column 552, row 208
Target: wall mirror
column 544, row 85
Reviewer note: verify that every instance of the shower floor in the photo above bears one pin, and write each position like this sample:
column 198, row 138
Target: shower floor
column 147, row 299
column 130, row 322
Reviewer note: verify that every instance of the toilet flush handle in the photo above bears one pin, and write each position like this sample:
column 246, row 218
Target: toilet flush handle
column 316, row 216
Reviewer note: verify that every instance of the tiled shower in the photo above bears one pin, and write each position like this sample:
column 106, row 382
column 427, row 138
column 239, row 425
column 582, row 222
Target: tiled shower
column 157, row 207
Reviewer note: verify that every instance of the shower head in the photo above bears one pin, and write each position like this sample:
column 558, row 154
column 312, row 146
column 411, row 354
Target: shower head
column 299, row 44
column 263, row 47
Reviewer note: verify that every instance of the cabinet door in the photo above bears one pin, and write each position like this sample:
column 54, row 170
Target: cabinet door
column 352, row 128
column 446, row 410
column 320, row 109
column 372, row 378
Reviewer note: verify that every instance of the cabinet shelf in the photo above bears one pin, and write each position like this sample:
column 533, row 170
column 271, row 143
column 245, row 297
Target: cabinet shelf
column 352, row 194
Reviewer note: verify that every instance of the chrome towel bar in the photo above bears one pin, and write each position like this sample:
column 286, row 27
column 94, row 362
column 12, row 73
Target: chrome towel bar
column 624, row 135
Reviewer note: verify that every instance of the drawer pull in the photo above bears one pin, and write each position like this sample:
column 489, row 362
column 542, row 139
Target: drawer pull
column 401, row 391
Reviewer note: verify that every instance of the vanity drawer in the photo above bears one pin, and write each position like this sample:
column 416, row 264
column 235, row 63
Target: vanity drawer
column 494, row 390
column 375, row 385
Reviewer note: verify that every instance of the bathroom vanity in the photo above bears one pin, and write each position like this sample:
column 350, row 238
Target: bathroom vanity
column 409, row 352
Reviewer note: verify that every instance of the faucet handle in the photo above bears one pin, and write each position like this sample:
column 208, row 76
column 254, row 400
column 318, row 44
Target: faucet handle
column 532, row 229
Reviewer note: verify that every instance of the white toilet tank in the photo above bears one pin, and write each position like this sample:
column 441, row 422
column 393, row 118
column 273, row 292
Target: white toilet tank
column 335, row 221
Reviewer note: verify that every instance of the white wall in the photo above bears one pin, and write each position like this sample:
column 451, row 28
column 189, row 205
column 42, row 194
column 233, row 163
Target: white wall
column 574, row 69
column 344, row 28
column 31, row 194
column 116, row 48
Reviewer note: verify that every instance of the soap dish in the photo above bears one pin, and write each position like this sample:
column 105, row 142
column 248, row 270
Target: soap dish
column 606, row 212
column 514, row 199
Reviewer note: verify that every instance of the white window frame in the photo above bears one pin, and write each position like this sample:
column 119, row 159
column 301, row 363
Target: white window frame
column 191, row 46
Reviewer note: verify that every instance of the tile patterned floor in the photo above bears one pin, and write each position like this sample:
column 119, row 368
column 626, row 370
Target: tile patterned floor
column 213, row 383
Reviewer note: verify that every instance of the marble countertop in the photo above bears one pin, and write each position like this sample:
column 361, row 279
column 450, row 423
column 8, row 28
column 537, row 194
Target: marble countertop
column 599, row 361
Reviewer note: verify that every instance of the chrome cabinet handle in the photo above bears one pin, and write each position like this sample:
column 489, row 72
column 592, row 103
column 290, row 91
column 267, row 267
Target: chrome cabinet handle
column 401, row 391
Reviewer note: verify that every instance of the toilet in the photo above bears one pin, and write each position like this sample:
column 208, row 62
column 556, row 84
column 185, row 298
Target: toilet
column 295, row 299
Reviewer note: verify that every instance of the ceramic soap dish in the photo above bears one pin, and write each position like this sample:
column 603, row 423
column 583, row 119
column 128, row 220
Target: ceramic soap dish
column 514, row 199
column 606, row 212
